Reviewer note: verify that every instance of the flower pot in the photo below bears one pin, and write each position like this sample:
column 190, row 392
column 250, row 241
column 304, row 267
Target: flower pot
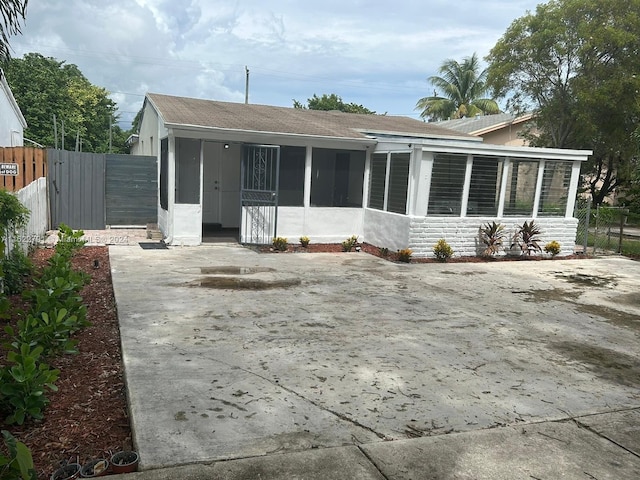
column 124, row 462
column 95, row 468
column 68, row 472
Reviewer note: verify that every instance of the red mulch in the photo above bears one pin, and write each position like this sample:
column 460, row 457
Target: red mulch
column 87, row 417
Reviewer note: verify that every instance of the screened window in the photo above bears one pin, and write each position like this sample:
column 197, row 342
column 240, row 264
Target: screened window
column 447, row 183
column 398, row 183
column 337, row 178
column 484, row 191
column 291, row 182
column 555, row 188
column 187, row 170
column 164, row 171
column 378, row 180
column 521, row 188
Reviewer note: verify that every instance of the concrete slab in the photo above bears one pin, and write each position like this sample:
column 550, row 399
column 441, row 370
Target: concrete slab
column 622, row 428
column 325, row 350
column 325, row 464
column 539, row 451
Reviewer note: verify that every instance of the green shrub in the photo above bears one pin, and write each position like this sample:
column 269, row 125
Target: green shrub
column 384, row 251
column 350, row 243
column 16, row 268
column 24, row 381
column 50, row 330
column 13, row 215
column 19, row 463
column 404, row 255
column 527, row 238
column 442, row 250
column 304, row 241
column 280, row 244
column 69, row 241
column 492, row 235
column 552, row 248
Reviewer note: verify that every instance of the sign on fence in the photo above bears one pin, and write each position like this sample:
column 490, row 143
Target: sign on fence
column 9, row 169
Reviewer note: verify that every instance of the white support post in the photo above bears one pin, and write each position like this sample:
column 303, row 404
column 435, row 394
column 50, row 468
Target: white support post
column 503, row 186
column 536, row 198
column 573, row 189
column 466, row 187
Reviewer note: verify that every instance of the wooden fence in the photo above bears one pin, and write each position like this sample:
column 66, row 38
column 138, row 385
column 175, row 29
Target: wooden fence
column 32, row 164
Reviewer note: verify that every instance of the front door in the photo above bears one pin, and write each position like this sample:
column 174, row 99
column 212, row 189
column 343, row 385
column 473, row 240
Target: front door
column 221, row 186
column 259, row 193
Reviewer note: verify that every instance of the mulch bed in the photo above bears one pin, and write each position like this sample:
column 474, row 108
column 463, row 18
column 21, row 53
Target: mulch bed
column 87, row 417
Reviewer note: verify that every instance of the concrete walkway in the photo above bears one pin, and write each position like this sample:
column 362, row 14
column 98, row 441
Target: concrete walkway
column 282, row 366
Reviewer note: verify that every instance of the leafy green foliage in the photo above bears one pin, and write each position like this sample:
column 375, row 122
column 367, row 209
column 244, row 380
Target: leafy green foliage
column 331, row 102
column 44, row 87
column 13, row 215
column 350, row 243
column 19, row 463
column 527, row 238
column 11, row 12
column 280, row 244
column 442, row 250
column 463, row 86
column 491, row 235
column 304, row 241
column 16, row 267
column 69, row 241
column 575, row 63
column 25, row 381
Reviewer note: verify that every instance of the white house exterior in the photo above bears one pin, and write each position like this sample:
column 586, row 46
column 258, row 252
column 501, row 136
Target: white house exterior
column 12, row 122
column 394, row 182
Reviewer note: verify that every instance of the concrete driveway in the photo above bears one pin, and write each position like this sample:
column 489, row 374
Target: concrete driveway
column 232, row 354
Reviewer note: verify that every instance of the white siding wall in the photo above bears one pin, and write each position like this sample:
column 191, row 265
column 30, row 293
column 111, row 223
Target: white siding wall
column 462, row 233
column 11, row 126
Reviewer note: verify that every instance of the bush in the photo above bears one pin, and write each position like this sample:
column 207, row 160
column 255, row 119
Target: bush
column 527, row 238
column 19, row 463
column 442, row 250
column 349, row 243
column 404, row 255
column 491, row 234
column 280, row 244
column 16, row 268
column 304, row 241
column 552, row 248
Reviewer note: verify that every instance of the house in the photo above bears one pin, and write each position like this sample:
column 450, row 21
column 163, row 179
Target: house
column 12, row 122
column 395, row 182
column 498, row 129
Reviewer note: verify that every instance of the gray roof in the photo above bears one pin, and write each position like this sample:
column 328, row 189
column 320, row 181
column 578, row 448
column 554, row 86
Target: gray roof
column 182, row 111
column 482, row 123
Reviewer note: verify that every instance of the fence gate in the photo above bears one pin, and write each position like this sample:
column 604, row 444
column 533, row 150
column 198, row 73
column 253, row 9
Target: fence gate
column 76, row 189
column 259, row 193
column 131, row 190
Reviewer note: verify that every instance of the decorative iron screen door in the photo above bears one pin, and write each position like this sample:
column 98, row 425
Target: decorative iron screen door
column 259, row 193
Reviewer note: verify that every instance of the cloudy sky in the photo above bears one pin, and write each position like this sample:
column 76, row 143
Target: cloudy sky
column 375, row 53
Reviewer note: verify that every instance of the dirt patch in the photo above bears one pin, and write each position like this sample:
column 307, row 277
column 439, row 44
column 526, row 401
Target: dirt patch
column 589, row 280
column 613, row 316
column 87, row 417
column 609, row 365
column 544, row 296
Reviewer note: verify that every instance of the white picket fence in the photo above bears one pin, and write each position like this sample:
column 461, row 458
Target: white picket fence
column 33, row 197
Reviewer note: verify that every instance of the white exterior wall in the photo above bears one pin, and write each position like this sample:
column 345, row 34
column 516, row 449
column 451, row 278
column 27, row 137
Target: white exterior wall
column 12, row 123
column 462, row 233
column 321, row 225
column 386, row 229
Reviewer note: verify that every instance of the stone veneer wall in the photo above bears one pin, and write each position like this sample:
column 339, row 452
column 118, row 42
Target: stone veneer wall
column 462, row 233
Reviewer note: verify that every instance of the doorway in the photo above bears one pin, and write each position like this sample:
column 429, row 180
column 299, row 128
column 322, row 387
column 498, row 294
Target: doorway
column 221, row 192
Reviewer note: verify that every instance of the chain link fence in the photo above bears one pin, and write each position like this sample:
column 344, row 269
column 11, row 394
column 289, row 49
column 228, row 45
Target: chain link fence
column 606, row 229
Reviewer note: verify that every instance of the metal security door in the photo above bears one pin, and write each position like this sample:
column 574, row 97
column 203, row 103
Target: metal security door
column 259, row 193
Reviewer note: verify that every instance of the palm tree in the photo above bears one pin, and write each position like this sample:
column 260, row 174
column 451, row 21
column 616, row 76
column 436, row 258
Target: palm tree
column 11, row 12
column 462, row 88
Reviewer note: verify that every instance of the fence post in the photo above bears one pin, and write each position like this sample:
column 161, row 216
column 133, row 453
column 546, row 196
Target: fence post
column 586, row 229
column 623, row 220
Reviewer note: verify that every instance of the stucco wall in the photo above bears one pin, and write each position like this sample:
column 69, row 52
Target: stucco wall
column 386, row 230
column 11, row 128
column 321, row 225
column 462, row 233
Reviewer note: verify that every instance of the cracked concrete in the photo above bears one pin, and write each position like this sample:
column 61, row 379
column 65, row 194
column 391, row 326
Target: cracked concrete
column 349, row 349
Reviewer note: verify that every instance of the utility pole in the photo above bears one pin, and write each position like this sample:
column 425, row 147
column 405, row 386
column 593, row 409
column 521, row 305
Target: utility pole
column 55, row 131
column 246, row 86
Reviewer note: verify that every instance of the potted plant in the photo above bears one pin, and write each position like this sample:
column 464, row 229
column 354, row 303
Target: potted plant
column 67, row 472
column 124, row 462
column 95, row 468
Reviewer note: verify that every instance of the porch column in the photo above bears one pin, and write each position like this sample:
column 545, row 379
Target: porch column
column 423, row 183
column 307, row 176
column 536, row 198
column 573, row 189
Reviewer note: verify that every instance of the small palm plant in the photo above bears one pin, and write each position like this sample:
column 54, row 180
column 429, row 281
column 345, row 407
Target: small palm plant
column 491, row 234
column 527, row 238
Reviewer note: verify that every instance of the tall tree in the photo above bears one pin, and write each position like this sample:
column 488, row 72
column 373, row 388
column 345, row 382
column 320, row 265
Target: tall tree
column 332, row 102
column 45, row 87
column 463, row 87
column 576, row 64
column 11, row 11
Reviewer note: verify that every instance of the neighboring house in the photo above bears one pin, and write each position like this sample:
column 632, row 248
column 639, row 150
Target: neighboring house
column 394, row 182
column 12, row 122
column 498, row 129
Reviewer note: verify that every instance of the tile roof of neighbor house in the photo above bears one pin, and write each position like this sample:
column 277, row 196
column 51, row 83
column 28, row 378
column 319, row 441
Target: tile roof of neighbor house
column 182, row 111
column 483, row 123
